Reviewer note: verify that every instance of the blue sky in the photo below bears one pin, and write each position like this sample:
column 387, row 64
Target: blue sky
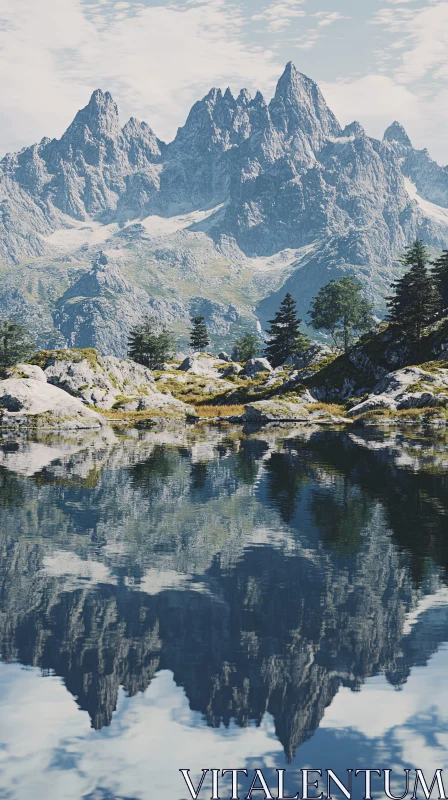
column 375, row 60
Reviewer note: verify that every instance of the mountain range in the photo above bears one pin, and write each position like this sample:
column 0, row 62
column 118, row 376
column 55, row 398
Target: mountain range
column 249, row 200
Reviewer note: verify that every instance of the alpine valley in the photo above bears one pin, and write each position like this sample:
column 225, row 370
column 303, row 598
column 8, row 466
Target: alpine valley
column 249, row 201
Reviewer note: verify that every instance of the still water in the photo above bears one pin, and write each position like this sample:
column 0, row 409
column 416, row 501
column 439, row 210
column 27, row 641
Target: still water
column 198, row 598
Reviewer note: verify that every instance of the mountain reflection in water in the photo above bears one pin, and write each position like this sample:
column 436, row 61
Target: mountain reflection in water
column 263, row 572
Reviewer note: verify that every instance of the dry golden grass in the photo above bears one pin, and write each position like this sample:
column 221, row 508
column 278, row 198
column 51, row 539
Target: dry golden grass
column 219, row 411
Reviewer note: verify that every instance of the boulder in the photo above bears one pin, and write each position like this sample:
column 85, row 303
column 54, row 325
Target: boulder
column 276, row 410
column 201, row 365
column 410, row 387
column 27, row 402
column 223, row 356
column 232, row 369
column 314, row 354
column 256, row 365
column 26, row 371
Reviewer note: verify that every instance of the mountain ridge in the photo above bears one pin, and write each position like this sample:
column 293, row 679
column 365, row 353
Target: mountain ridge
column 263, row 184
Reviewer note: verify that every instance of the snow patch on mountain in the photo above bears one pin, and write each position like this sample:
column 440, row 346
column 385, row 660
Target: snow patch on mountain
column 431, row 210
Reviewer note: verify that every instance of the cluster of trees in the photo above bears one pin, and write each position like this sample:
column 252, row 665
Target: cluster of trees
column 421, row 295
column 339, row 308
column 152, row 344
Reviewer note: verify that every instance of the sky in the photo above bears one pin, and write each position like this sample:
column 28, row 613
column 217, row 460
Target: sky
column 375, row 60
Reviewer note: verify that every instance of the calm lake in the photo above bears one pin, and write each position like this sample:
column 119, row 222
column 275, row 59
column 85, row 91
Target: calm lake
column 199, row 598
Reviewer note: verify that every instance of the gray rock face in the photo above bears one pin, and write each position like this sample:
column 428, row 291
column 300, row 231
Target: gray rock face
column 256, row 365
column 411, row 387
column 27, row 402
column 100, row 309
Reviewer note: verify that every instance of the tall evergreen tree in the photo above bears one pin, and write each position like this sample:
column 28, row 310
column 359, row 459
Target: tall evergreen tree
column 16, row 344
column 440, row 272
column 150, row 345
column 341, row 309
column 416, row 299
column 199, row 338
column 285, row 336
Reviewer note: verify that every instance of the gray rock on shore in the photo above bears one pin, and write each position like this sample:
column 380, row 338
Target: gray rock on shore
column 407, row 388
column 32, row 402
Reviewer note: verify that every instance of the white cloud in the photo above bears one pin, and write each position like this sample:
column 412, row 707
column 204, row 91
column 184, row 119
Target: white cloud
column 308, row 40
column 279, row 15
column 328, row 17
column 156, row 61
column 424, row 34
column 374, row 100
column 427, row 44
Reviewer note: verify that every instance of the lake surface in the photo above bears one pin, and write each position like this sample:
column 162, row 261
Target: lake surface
column 198, row 598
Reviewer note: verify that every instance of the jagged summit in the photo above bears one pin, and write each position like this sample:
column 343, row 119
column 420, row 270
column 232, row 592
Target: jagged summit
column 354, row 129
column 298, row 109
column 100, row 116
column 396, row 133
column 244, row 97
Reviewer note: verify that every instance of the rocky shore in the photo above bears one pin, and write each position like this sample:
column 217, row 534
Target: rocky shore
column 374, row 381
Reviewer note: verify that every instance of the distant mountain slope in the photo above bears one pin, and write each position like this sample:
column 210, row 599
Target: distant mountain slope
column 249, row 196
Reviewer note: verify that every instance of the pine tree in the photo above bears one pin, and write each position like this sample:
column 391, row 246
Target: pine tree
column 285, row 335
column 199, row 338
column 150, row 345
column 16, row 343
column 440, row 272
column 416, row 301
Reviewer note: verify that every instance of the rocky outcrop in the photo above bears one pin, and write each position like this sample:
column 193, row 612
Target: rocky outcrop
column 97, row 380
column 411, row 387
column 30, row 403
column 256, row 365
column 108, row 381
column 312, row 356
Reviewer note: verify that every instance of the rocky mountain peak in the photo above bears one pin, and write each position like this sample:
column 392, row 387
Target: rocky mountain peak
column 99, row 116
column 354, row 129
column 244, row 98
column 141, row 142
column 299, row 111
column 396, row 133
